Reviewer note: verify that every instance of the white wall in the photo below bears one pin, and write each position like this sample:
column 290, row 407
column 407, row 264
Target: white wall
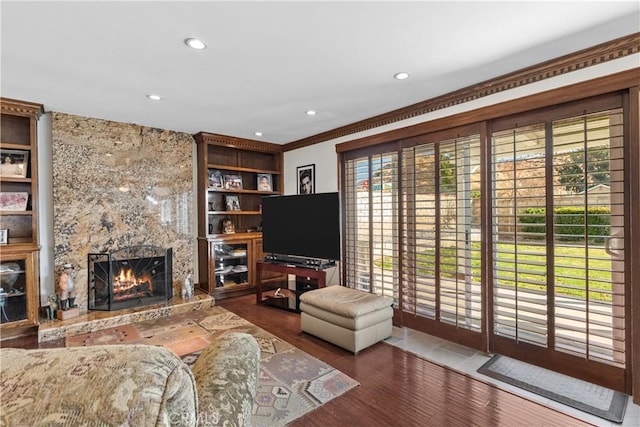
column 323, row 156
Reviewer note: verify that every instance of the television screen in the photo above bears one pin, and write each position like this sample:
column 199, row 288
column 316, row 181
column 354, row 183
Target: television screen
column 302, row 225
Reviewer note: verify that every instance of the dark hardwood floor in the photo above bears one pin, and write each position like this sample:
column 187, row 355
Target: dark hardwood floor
column 396, row 388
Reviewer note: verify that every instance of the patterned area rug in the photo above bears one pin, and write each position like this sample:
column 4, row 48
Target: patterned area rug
column 291, row 382
column 587, row 397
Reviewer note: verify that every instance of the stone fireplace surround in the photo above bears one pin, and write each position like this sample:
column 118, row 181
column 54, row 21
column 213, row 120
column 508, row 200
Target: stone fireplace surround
column 117, row 185
column 98, row 320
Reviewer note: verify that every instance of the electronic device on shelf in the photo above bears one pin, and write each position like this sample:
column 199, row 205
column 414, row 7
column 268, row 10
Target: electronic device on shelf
column 302, row 230
column 297, row 261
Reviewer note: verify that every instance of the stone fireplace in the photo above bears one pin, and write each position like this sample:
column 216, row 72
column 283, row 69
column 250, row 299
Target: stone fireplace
column 119, row 185
column 131, row 277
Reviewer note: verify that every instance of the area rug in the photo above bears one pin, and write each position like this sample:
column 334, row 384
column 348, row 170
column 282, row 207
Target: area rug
column 587, row 397
column 291, row 382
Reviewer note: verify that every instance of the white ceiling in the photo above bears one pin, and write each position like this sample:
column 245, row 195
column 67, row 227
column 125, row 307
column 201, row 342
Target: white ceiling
column 268, row 62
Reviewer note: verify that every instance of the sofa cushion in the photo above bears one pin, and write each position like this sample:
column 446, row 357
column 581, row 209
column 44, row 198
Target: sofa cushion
column 354, row 323
column 226, row 374
column 345, row 301
column 137, row 385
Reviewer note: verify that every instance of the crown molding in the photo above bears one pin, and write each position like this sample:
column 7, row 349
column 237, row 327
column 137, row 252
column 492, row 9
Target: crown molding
column 21, row 108
column 604, row 52
column 235, row 142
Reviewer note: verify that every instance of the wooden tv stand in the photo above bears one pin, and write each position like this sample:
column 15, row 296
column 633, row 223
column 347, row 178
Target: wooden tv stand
column 312, row 273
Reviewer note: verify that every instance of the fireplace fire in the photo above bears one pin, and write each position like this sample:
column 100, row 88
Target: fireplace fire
column 126, row 285
column 131, row 277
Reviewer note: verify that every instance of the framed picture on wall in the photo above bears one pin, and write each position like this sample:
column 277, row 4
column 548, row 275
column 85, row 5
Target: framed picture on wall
column 306, row 179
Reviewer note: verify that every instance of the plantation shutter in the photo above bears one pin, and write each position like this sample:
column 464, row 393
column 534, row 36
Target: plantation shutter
column 441, row 234
column 588, row 236
column 519, row 241
column 371, row 244
column 558, row 221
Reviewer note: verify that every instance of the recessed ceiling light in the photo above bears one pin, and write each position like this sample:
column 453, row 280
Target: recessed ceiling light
column 311, row 113
column 195, row 43
column 401, row 76
column 258, row 133
column 154, row 97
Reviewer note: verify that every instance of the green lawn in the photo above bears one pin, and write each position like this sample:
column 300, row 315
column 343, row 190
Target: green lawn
column 571, row 268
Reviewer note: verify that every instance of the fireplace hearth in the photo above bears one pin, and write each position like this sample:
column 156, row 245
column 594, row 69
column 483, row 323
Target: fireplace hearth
column 131, row 277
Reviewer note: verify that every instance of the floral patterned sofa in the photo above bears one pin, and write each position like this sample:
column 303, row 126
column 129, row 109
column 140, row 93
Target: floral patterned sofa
column 136, row 385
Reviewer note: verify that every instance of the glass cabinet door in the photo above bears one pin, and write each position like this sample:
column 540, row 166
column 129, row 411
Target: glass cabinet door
column 231, row 264
column 13, row 295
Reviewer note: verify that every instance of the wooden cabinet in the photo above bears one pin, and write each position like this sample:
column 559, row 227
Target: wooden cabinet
column 233, row 174
column 230, row 264
column 19, row 298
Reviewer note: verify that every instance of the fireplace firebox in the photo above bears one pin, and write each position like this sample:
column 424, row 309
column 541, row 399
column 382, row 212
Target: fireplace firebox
column 131, row 277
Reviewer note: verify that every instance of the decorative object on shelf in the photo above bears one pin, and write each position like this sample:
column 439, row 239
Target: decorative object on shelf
column 14, row 201
column 306, row 179
column 215, row 179
column 9, row 273
column 4, row 236
column 265, row 182
column 67, row 288
column 233, row 182
column 211, row 206
column 3, row 303
column 227, row 226
column 187, row 287
column 52, row 306
column 14, row 163
column 233, row 203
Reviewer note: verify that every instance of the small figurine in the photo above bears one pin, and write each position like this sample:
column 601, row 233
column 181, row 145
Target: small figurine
column 67, row 288
column 187, row 287
column 52, row 308
column 228, row 227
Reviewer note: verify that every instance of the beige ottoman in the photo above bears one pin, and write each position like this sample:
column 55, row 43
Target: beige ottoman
column 346, row 317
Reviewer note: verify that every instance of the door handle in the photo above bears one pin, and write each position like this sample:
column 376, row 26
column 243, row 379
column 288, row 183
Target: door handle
column 610, row 247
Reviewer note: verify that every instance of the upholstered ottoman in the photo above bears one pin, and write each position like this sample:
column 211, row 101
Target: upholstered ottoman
column 346, row 317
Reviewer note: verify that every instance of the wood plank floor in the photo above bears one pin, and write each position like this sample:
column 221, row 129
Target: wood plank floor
column 396, row 388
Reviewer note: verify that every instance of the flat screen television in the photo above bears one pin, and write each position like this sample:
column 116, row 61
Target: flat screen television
column 305, row 225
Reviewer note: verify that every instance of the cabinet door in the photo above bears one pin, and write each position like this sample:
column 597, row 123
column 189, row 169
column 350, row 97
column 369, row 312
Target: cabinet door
column 231, row 264
column 18, row 298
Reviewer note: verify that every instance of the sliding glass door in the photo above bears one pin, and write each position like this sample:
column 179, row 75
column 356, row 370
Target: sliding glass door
column 507, row 237
column 441, row 262
column 558, row 221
